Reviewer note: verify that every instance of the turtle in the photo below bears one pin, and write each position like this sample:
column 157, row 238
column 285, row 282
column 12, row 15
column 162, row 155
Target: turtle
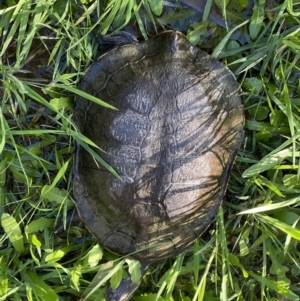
column 172, row 137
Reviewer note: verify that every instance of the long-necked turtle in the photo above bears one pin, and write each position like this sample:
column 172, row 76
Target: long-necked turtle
column 173, row 140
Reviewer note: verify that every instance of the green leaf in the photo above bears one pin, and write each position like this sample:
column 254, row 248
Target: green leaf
column 104, row 274
column 55, row 195
column 40, row 287
column 96, row 156
column 261, row 126
column 259, row 113
column 3, row 164
column 276, row 286
column 201, row 288
column 3, row 277
column 2, row 183
column 263, row 165
column 10, row 292
column 217, row 51
column 269, row 162
column 134, row 268
column 295, row 233
column 60, row 253
column 61, row 103
column 290, row 5
column 167, row 282
column 278, row 118
column 75, row 276
column 291, row 181
column 242, row 3
column 60, row 174
column 253, row 85
column 116, row 278
column 277, row 267
column 272, row 186
column 39, row 225
column 263, row 136
column 256, row 21
column 244, row 250
column 286, row 216
column 34, row 241
column 94, row 256
column 274, row 206
column 234, row 260
column 13, row 231
column 86, row 95
column 156, row 6
column 20, row 176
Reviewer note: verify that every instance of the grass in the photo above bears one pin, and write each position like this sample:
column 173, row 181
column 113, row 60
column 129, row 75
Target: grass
column 252, row 250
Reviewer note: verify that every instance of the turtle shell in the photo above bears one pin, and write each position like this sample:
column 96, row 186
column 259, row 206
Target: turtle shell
column 173, row 140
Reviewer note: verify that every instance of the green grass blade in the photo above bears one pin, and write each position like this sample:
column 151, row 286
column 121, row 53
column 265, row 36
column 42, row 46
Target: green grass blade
column 289, row 230
column 275, row 206
column 86, row 95
column 13, row 231
column 104, row 274
column 199, row 294
column 40, row 287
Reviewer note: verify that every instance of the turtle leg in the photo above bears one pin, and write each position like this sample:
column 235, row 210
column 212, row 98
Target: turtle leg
column 126, row 288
